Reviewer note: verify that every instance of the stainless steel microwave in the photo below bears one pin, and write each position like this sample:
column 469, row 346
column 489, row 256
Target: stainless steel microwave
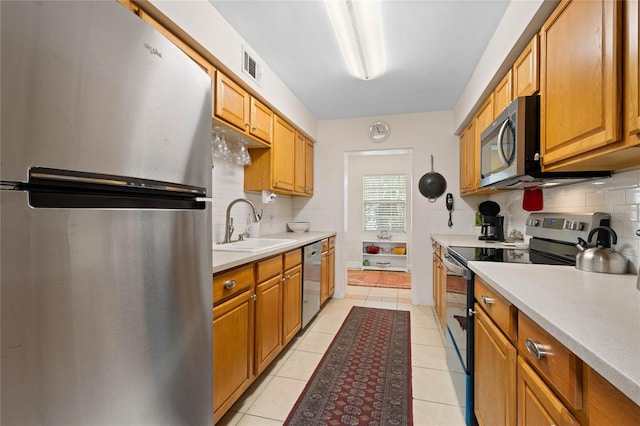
column 510, row 151
column 509, row 144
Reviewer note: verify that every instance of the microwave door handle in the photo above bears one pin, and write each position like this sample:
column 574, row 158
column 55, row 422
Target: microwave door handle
column 503, row 129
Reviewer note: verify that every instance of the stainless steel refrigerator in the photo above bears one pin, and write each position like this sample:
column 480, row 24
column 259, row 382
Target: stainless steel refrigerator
column 105, row 166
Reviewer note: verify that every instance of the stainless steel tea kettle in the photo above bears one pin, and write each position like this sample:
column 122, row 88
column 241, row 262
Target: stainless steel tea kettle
column 600, row 258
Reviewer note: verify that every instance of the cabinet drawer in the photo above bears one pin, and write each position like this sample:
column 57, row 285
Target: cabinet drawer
column 292, row 259
column 561, row 369
column 537, row 404
column 324, row 245
column 332, row 242
column 503, row 313
column 232, row 282
column 268, row 268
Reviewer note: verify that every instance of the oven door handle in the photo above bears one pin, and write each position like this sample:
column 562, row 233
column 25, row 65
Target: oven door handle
column 454, row 268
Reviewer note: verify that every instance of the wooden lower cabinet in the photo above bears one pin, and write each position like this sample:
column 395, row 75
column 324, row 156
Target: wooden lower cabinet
column 292, row 303
column 537, row 404
column 331, row 287
column 324, row 277
column 327, row 269
column 607, row 405
column 439, row 286
column 495, row 374
column 268, row 327
column 233, row 333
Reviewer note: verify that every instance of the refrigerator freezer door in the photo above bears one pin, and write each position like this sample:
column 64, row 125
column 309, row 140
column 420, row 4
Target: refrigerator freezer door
column 106, row 316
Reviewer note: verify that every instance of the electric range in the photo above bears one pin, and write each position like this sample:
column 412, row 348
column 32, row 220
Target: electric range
column 553, row 242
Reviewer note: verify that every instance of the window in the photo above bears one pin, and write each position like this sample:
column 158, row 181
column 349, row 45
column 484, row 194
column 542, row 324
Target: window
column 385, row 202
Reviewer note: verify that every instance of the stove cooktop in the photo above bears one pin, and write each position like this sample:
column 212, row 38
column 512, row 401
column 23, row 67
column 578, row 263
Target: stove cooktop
column 506, row 255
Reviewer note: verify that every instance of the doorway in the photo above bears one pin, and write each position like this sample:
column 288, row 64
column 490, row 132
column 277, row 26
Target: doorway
column 360, row 228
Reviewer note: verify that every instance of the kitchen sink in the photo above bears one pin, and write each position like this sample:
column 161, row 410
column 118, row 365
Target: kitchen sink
column 253, row 244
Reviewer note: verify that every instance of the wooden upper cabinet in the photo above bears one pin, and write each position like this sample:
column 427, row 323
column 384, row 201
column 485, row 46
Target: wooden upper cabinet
column 237, row 107
column 631, row 158
column 283, row 155
column 232, row 102
column 261, row 120
column 580, row 104
column 503, row 94
column 526, row 76
column 467, row 160
column 300, row 163
column 309, row 158
column 482, row 120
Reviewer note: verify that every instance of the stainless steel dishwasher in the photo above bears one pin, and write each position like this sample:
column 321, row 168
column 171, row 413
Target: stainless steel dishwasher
column 310, row 282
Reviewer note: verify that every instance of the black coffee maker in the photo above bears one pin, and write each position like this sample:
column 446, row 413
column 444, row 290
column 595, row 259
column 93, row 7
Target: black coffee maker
column 492, row 224
column 492, row 228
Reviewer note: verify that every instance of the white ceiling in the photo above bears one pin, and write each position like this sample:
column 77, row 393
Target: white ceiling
column 431, row 46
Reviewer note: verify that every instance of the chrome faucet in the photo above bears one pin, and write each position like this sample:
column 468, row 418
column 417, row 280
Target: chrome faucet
column 228, row 224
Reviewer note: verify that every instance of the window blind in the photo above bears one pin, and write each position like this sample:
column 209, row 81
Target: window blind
column 385, row 202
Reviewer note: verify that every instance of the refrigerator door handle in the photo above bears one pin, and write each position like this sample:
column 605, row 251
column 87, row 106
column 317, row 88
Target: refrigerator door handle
column 6, row 185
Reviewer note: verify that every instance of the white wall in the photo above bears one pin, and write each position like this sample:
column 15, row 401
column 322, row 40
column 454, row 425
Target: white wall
column 426, row 134
column 521, row 21
column 228, row 184
column 205, row 24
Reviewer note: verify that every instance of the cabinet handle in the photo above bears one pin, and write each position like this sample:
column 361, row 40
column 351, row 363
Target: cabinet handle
column 246, row 125
column 254, row 128
column 537, row 350
column 230, row 284
column 488, row 300
column 471, row 312
column 254, row 297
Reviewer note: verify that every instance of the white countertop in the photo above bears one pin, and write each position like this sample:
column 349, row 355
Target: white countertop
column 223, row 260
column 597, row 316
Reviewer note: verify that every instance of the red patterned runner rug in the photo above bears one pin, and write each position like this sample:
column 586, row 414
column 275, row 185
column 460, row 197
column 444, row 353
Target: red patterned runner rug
column 364, row 378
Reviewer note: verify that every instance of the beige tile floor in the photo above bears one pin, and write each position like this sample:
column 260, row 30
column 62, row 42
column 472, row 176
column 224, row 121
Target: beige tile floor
column 270, row 399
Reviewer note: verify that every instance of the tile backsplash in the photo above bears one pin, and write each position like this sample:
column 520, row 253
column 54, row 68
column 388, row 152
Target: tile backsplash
column 619, row 196
column 228, row 183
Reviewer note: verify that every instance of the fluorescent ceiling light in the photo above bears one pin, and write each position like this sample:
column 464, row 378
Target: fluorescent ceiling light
column 358, row 27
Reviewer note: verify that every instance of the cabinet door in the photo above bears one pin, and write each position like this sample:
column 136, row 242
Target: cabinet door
column 324, row 276
column 526, row 80
column 467, row 160
column 283, row 147
column 502, row 95
column 482, row 120
column 537, row 405
column 442, row 292
column 300, row 164
column 232, row 102
column 308, row 177
column 580, row 97
column 331, row 285
column 495, row 374
column 232, row 351
column 268, row 322
column 261, row 118
column 292, row 303
column 609, row 406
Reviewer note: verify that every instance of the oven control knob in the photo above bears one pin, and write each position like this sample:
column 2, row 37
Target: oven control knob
column 533, row 222
column 574, row 225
